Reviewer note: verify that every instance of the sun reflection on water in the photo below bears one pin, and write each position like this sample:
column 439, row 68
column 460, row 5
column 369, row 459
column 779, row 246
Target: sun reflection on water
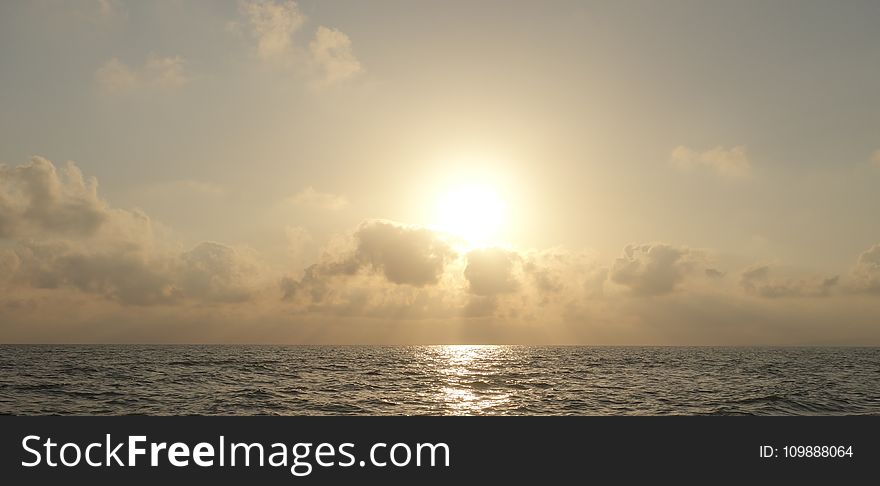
column 469, row 379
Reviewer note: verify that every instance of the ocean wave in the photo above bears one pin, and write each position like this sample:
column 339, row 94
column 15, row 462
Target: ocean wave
column 436, row 380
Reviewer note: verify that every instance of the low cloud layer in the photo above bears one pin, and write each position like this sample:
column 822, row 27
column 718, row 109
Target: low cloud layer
column 36, row 198
column 652, row 269
column 757, row 280
column 68, row 256
column 490, row 271
column 867, row 271
column 216, row 272
column 125, row 276
column 413, row 256
column 400, row 255
column 56, row 232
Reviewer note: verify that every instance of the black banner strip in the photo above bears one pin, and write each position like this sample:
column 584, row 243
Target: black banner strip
column 400, row 450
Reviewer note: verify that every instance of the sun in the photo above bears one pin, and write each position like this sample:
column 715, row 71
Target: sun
column 474, row 213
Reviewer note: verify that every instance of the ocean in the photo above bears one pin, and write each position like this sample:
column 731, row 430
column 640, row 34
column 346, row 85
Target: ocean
column 436, row 380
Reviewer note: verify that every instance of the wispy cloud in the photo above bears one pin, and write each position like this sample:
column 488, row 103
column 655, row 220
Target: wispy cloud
column 96, row 13
column 332, row 54
column 324, row 200
column 161, row 73
column 178, row 187
column 728, row 162
column 110, row 9
column 273, row 25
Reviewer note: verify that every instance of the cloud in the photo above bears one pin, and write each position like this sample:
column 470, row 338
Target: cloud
column 489, row 271
column 158, row 73
column 332, row 53
column 545, row 279
column 273, row 25
column 131, row 274
column 115, row 77
column 324, row 200
column 358, row 277
column 402, row 255
column 556, row 271
column 328, row 58
column 381, row 270
column 732, row 162
column 652, row 269
column 73, row 265
column 756, row 280
column 405, row 255
column 110, row 9
column 128, row 276
column 36, row 197
column 56, row 233
column 714, row 274
column 866, row 274
column 216, row 272
column 299, row 243
column 9, row 263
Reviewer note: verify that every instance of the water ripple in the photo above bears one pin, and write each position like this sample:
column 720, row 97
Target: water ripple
column 437, row 380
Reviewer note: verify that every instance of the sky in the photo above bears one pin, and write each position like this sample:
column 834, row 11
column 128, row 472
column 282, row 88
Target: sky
column 345, row 172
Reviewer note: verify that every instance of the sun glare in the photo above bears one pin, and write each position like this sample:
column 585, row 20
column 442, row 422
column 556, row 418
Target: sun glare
column 474, row 213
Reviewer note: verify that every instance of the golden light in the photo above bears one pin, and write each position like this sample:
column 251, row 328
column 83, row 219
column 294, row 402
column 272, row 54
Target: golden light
column 464, row 371
column 475, row 213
